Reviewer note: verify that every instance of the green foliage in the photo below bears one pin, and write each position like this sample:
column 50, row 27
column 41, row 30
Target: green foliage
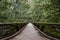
column 35, row 11
column 51, row 31
column 7, row 30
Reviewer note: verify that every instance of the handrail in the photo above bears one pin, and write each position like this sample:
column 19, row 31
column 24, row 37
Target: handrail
column 45, row 23
column 26, row 22
column 13, row 22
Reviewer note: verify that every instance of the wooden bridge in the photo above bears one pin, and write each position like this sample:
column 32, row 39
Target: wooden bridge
column 29, row 33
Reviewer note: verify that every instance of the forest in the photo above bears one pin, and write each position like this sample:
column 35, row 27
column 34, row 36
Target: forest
column 44, row 14
column 47, row 11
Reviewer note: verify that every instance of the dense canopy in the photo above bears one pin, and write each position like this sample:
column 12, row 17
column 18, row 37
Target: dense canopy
column 30, row 10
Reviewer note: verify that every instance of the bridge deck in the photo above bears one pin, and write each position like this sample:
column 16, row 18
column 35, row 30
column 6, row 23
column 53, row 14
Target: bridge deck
column 29, row 33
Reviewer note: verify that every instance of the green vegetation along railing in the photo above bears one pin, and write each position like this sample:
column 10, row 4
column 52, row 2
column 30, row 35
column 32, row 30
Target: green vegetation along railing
column 50, row 29
column 8, row 29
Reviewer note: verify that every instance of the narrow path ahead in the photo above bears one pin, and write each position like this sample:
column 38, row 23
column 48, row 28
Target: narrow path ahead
column 29, row 33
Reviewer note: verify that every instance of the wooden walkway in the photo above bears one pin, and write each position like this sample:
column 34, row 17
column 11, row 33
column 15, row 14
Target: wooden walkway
column 29, row 33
